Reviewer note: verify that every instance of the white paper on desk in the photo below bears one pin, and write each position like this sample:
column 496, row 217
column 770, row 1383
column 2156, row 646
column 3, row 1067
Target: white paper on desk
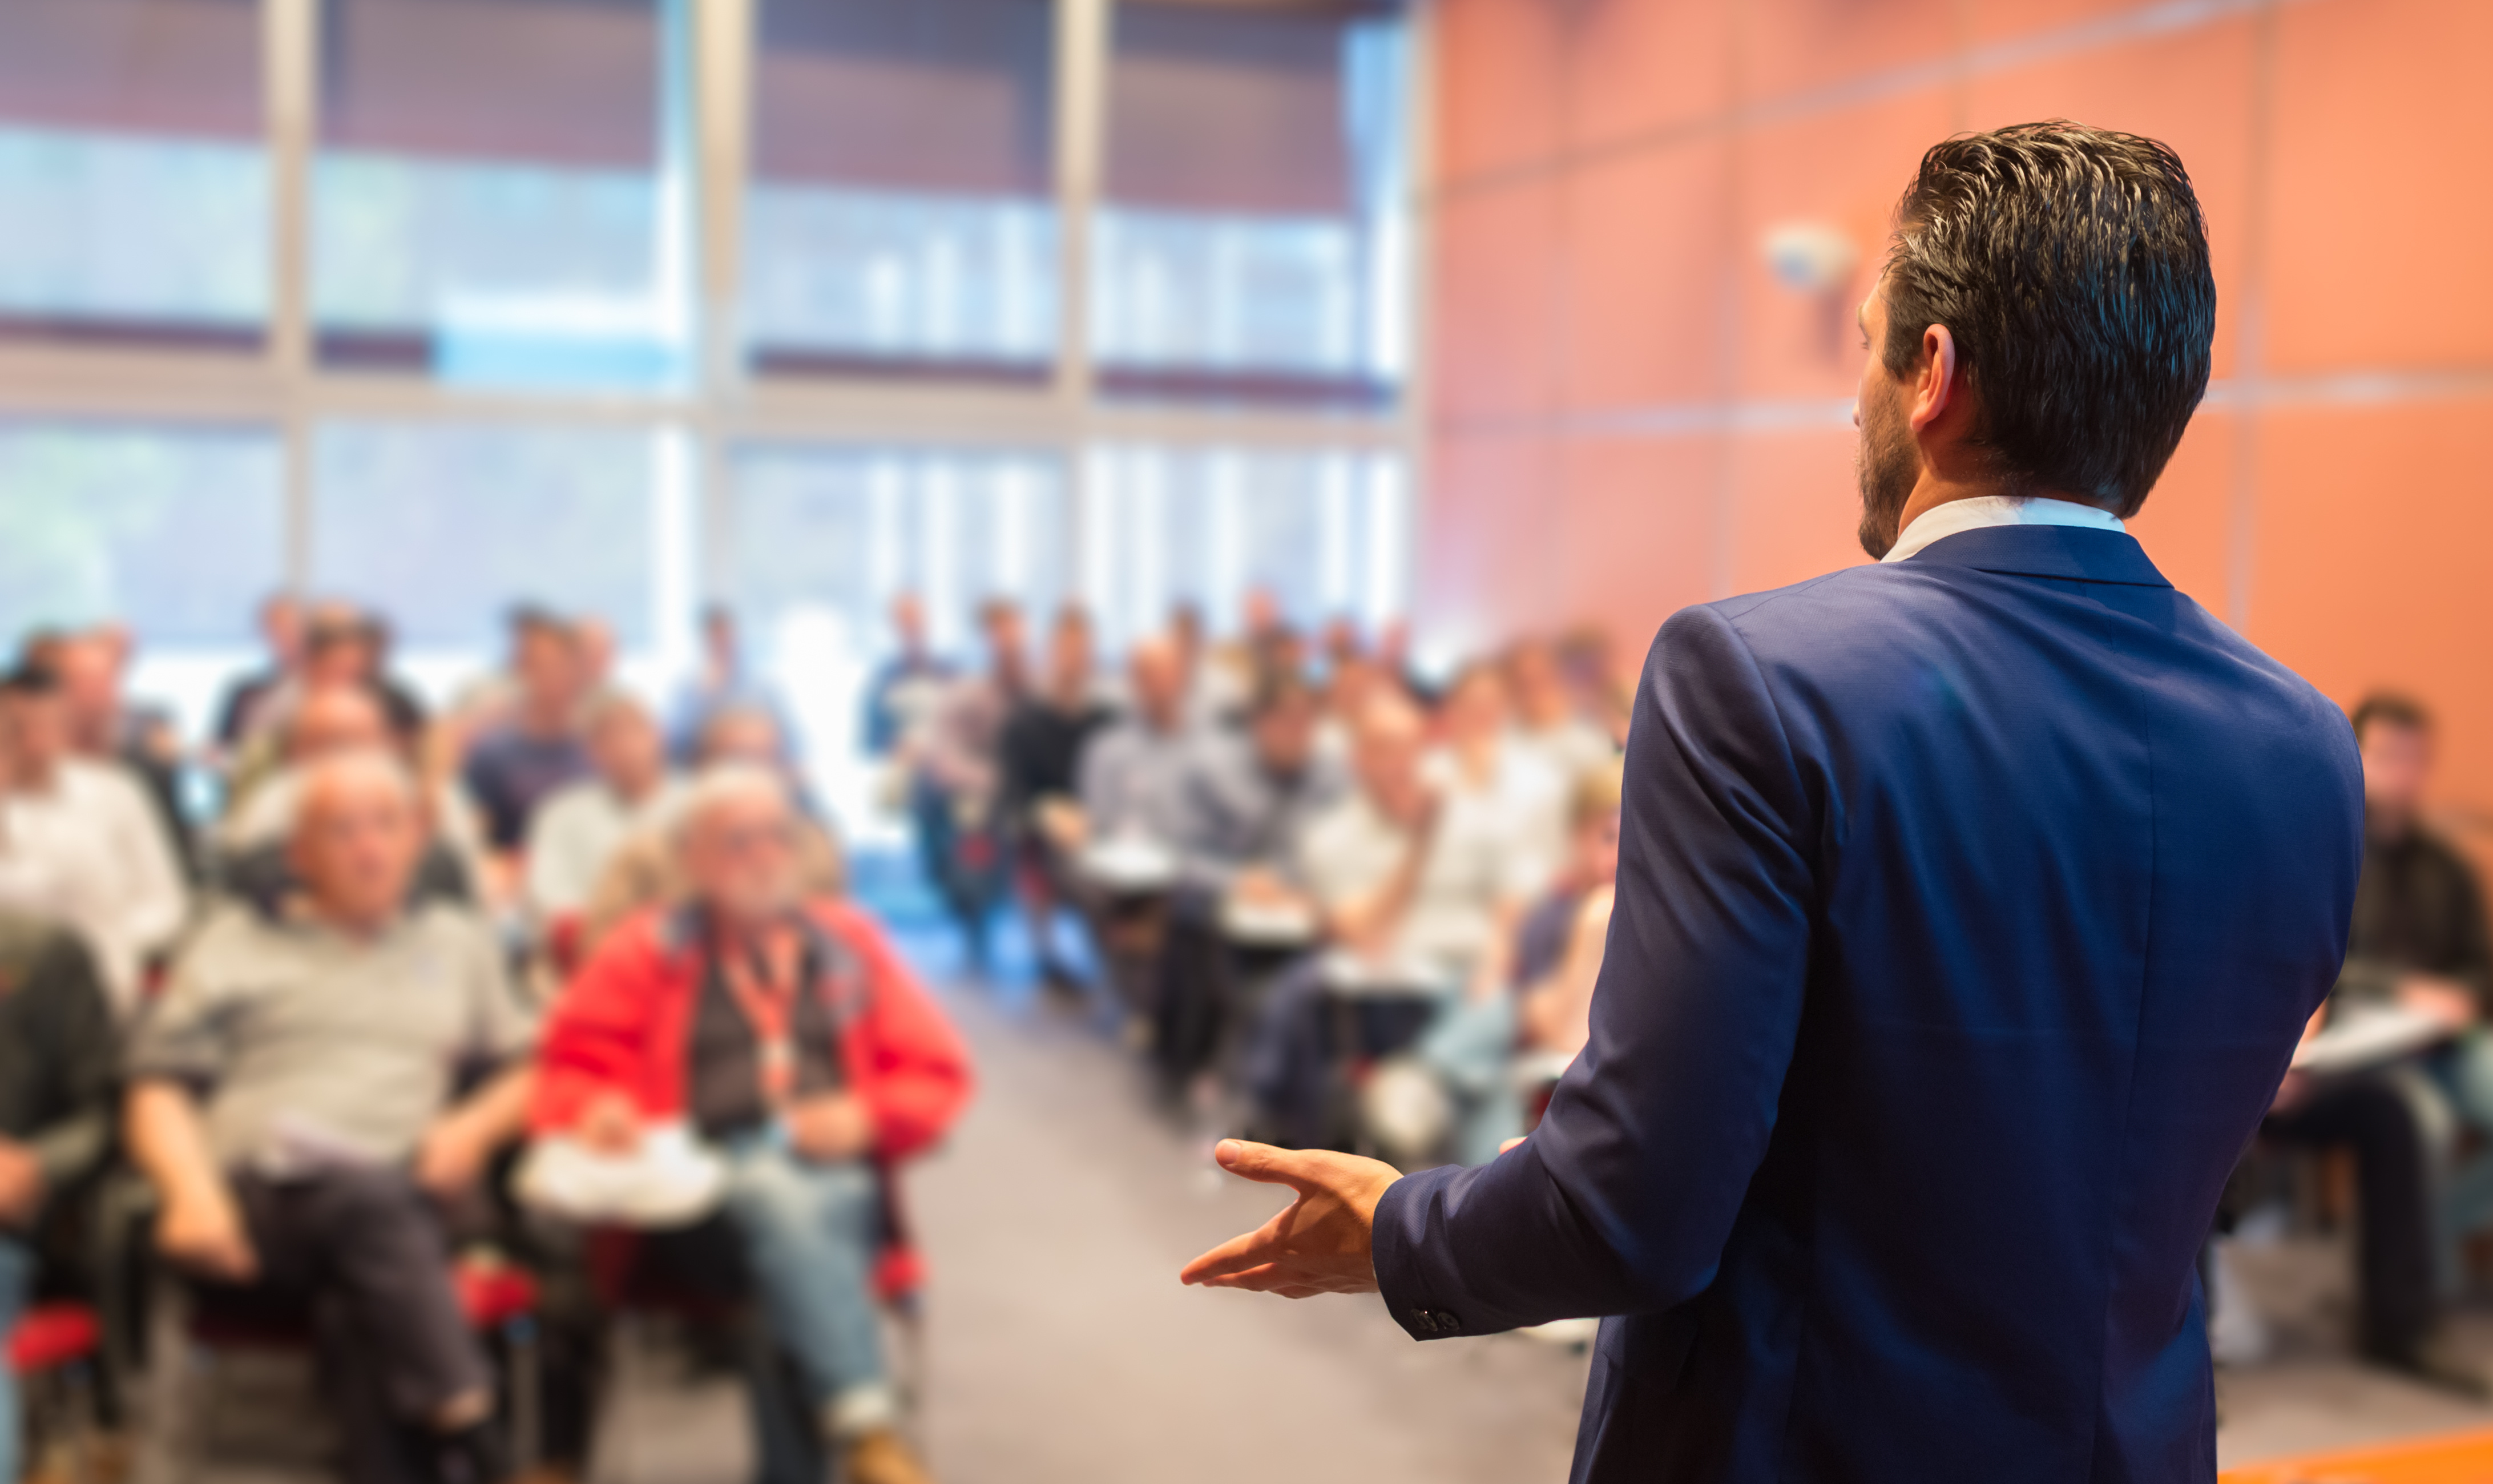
column 1268, row 924
column 1348, row 974
column 2358, row 1037
column 672, row 1179
column 1131, row 865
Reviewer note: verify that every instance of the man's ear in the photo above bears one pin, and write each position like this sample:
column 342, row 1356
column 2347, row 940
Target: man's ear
column 1934, row 389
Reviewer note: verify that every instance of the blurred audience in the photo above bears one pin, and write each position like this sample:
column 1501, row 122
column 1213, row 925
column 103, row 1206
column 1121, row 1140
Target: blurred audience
column 788, row 1032
column 238, row 710
column 901, row 698
column 516, row 764
column 956, row 790
column 294, row 1101
column 1041, row 755
column 574, row 838
column 720, row 684
column 80, row 841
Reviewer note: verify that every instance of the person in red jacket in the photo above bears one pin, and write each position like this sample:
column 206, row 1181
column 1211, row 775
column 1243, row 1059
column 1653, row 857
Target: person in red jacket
column 793, row 1039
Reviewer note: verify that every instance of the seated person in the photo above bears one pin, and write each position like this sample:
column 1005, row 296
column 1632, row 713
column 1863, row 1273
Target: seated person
column 647, row 870
column 56, row 1065
column 1417, row 889
column 1043, row 742
column 1461, row 1078
column 1247, row 799
column 515, row 765
column 576, row 835
column 253, row 855
column 1131, row 790
column 788, row 1031
column 1481, row 764
column 293, row 1101
column 1547, row 722
column 79, row 843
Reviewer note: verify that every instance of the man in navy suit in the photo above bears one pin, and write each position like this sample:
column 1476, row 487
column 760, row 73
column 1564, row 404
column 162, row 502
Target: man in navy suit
column 1969, row 907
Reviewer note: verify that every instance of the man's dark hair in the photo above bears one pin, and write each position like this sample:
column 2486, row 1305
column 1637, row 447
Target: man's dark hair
column 2388, row 708
column 2070, row 266
column 29, row 678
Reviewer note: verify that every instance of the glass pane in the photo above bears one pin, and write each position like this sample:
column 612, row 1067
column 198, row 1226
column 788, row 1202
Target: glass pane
column 1323, row 531
column 175, row 532
column 1251, row 242
column 824, row 538
column 444, row 526
column 132, row 174
column 901, row 206
column 495, row 197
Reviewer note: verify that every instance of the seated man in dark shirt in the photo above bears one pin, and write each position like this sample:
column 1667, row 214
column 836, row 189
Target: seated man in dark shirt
column 55, row 1080
column 520, row 764
column 2418, row 942
column 1042, row 752
column 785, row 1029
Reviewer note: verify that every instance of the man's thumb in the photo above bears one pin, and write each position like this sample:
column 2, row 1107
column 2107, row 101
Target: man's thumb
column 1258, row 1162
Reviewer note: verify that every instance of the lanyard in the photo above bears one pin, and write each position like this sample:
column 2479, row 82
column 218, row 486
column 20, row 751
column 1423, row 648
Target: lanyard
column 768, row 1003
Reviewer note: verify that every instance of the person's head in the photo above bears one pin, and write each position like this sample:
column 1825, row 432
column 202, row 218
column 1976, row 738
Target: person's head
column 88, row 667
column 546, row 660
column 2394, row 734
column 341, row 647
column 1593, row 817
column 1069, row 656
column 593, row 642
column 281, row 629
column 1259, row 613
column 999, row 625
column 1535, row 683
column 908, row 622
column 718, row 637
column 742, row 734
column 336, row 719
column 1281, row 722
column 1386, row 749
column 1186, row 630
column 34, row 724
column 1340, row 639
column 1159, row 683
column 736, row 838
column 2042, row 325
column 358, row 832
column 1475, row 708
column 625, row 745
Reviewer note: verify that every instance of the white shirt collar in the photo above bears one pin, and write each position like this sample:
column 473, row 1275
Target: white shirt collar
column 1995, row 510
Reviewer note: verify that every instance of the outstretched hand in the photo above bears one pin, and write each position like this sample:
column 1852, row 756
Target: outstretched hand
column 1321, row 1244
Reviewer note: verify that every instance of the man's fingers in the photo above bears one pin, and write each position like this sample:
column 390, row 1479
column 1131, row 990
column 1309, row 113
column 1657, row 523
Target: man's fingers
column 1239, row 1252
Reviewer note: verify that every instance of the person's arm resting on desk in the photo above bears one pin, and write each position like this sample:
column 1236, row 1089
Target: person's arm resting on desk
column 1622, row 1199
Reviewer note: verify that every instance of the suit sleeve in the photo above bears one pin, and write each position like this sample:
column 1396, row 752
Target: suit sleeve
column 1622, row 1199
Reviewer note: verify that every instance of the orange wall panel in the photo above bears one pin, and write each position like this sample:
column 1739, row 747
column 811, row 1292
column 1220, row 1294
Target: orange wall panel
column 1644, row 276
column 1639, row 531
column 2383, row 215
column 1794, row 46
column 1795, row 511
column 1496, row 330
column 1638, row 68
column 2187, row 524
column 1499, row 84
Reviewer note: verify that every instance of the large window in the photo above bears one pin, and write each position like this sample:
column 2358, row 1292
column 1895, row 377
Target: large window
column 442, row 528
column 175, row 532
column 1251, row 247
column 1322, row 531
column 496, row 200
column 132, row 180
column 901, row 213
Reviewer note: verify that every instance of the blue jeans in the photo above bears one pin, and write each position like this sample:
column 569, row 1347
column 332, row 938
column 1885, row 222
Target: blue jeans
column 16, row 1267
column 1471, row 1048
column 810, row 1235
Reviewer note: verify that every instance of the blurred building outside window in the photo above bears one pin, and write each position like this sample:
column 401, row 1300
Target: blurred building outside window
column 134, row 176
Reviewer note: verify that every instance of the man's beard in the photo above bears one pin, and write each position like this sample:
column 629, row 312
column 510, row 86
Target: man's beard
column 1886, row 466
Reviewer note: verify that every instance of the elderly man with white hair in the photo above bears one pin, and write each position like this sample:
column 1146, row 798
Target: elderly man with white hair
column 294, row 1100
column 787, row 1032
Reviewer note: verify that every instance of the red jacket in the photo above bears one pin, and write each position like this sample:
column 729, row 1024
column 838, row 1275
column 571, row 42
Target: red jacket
column 625, row 1025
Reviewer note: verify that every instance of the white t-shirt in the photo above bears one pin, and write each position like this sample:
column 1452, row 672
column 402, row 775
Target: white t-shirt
column 90, row 851
column 576, row 833
column 1352, row 849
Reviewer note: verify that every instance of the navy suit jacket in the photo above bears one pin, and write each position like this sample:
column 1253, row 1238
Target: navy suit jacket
column 1969, row 908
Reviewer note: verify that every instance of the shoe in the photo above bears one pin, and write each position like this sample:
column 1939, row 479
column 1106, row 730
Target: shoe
column 2436, row 1364
column 883, row 1457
